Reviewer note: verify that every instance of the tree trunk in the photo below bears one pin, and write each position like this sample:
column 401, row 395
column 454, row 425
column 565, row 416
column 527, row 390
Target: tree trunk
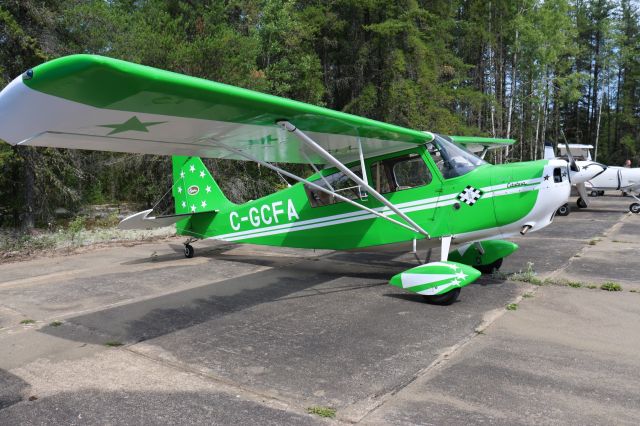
column 29, row 182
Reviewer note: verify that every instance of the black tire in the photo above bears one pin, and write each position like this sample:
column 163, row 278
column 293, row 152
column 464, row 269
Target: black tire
column 600, row 193
column 581, row 203
column 443, row 299
column 593, row 194
column 490, row 268
column 563, row 210
column 188, row 251
column 634, row 208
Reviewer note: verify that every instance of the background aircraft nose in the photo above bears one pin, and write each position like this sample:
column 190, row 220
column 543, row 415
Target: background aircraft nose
column 587, row 171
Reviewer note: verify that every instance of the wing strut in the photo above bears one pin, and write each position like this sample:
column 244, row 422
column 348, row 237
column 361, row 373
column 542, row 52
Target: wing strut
column 311, row 184
column 344, row 169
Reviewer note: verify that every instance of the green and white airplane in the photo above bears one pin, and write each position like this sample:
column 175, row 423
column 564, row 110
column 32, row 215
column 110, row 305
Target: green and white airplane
column 376, row 185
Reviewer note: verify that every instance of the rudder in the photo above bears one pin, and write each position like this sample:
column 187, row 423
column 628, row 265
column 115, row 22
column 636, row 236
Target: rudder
column 194, row 189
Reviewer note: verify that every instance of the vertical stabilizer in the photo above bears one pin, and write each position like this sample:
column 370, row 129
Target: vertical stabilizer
column 549, row 154
column 194, row 189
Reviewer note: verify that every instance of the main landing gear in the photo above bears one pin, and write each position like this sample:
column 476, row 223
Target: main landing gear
column 635, row 207
column 581, row 203
column 563, row 210
column 443, row 299
column 490, row 268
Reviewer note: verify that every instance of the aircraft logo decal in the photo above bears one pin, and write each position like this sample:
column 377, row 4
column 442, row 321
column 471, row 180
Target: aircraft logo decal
column 193, row 190
column 470, row 195
column 132, row 124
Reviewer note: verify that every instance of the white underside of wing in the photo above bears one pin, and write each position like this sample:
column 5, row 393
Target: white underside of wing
column 29, row 117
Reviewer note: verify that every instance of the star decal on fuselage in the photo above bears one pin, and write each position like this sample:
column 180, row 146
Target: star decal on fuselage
column 546, row 177
column 132, row 124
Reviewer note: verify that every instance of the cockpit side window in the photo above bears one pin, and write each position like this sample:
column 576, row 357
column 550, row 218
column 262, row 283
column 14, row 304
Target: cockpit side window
column 399, row 173
column 338, row 183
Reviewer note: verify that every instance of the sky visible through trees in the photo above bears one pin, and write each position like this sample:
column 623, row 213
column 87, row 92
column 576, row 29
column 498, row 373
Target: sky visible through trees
column 525, row 69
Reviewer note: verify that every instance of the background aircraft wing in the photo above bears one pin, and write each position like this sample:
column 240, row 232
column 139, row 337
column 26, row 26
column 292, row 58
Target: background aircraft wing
column 98, row 103
column 478, row 144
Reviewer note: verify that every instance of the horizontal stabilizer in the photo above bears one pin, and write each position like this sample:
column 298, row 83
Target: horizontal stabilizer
column 142, row 220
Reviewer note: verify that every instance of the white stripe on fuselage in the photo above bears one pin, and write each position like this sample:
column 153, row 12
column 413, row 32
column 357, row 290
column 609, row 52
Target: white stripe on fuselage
column 408, row 207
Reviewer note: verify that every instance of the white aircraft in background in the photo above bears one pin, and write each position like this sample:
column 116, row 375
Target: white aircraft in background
column 610, row 178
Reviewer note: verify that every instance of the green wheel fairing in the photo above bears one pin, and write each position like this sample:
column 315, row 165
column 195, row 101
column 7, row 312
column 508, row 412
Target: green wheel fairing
column 435, row 278
column 493, row 250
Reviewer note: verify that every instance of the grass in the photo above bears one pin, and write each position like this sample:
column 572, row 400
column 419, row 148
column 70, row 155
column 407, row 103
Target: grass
column 27, row 321
column 594, row 241
column 528, row 276
column 78, row 233
column 611, row 286
column 113, row 343
column 322, row 411
column 512, row 306
column 55, row 323
column 527, row 295
column 574, row 284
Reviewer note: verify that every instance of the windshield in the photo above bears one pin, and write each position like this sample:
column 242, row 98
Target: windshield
column 452, row 160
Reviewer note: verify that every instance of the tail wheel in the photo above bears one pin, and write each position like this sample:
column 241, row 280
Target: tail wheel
column 443, row 299
column 563, row 210
column 593, row 194
column 581, row 203
column 490, row 268
column 634, row 208
column 188, row 251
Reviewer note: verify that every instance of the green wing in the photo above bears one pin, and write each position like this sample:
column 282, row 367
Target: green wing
column 94, row 102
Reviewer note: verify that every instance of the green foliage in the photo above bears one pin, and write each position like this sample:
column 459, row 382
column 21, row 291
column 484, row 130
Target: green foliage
column 322, row 411
column 77, row 225
column 611, row 286
column 512, row 307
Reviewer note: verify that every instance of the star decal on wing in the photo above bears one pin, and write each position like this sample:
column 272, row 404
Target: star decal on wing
column 184, row 204
column 461, row 275
column 182, row 174
column 179, row 190
column 132, row 124
column 192, row 168
column 193, row 208
column 203, row 204
column 208, row 189
column 201, row 173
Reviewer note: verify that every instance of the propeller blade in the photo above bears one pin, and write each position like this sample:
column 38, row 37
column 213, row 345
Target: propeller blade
column 572, row 161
